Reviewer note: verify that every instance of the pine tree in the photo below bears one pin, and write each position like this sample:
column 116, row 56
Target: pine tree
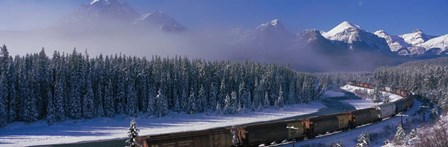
column 266, row 102
column 227, row 105
column 109, row 102
column 212, row 103
column 244, row 98
column 59, row 100
column 151, row 106
column 162, row 108
column 280, row 100
column 132, row 105
column 363, row 140
column 51, row 110
column 399, row 135
column 88, row 100
column 121, row 96
column 202, row 100
column 99, row 101
column 192, row 103
column 3, row 111
column 133, row 134
column 233, row 103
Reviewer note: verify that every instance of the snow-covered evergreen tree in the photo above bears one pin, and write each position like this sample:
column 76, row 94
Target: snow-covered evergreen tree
column 51, row 109
column 88, row 100
column 109, row 101
column 266, row 102
column 233, row 103
column 400, row 135
column 59, row 100
column 213, row 97
column 131, row 98
column 133, row 134
column 227, row 105
column 161, row 106
column 363, row 140
column 3, row 94
column 279, row 102
column 202, row 100
column 192, row 109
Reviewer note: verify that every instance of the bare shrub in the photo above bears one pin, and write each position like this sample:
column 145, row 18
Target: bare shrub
column 434, row 136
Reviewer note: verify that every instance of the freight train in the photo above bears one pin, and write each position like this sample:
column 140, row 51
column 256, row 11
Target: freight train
column 255, row 134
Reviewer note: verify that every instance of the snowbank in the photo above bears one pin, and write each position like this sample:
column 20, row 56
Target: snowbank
column 39, row 133
column 350, row 88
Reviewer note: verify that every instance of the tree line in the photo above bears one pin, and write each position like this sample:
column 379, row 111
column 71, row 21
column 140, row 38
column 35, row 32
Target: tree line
column 77, row 86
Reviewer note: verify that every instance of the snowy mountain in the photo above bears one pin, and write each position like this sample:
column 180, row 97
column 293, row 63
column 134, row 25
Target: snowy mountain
column 269, row 35
column 105, row 11
column 113, row 15
column 160, row 20
column 438, row 44
column 313, row 39
column 395, row 42
column 417, row 37
column 357, row 38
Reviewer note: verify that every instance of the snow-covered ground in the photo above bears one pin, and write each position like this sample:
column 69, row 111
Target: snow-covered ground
column 22, row 134
column 350, row 88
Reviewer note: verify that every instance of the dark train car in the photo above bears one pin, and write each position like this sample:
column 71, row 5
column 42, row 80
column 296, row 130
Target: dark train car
column 323, row 124
column 206, row 138
column 365, row 116
column 409, row 101
column 401, row 105
column 345, row 120
column 266, row 133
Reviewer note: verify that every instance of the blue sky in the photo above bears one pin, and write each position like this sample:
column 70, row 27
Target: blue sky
column 394, row 16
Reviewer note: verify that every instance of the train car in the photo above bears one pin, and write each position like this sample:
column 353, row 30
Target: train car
column 266, row 133
column 364, row 116
column 409, row 102
column 345, row 121
column 385, row 110
column 401, row 105
column 205, row 138
column 322, row 124
column 299, row 129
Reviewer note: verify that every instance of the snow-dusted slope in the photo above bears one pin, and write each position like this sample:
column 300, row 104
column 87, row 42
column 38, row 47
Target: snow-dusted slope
column 104, row 10
column 395, row 42
column 269, row 35
column 438, row 42
column 356, row 37
column 417, row 37
column 160, row 20
column 345, row 31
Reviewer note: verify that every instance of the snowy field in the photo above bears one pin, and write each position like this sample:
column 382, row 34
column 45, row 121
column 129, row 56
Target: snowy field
column 22, row 134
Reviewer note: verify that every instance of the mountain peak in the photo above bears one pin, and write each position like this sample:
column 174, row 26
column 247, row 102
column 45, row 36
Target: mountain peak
column 106, row 2
column 416, row 37
column 275, row 22
column 344, row 27
column 159, row 19
column 417, row 31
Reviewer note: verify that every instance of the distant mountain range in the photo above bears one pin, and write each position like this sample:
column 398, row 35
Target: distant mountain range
column 109, row 24
column 113, row 14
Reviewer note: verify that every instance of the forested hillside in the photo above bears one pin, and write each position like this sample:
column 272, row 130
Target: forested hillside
column 76, row 86
column 428, row 78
